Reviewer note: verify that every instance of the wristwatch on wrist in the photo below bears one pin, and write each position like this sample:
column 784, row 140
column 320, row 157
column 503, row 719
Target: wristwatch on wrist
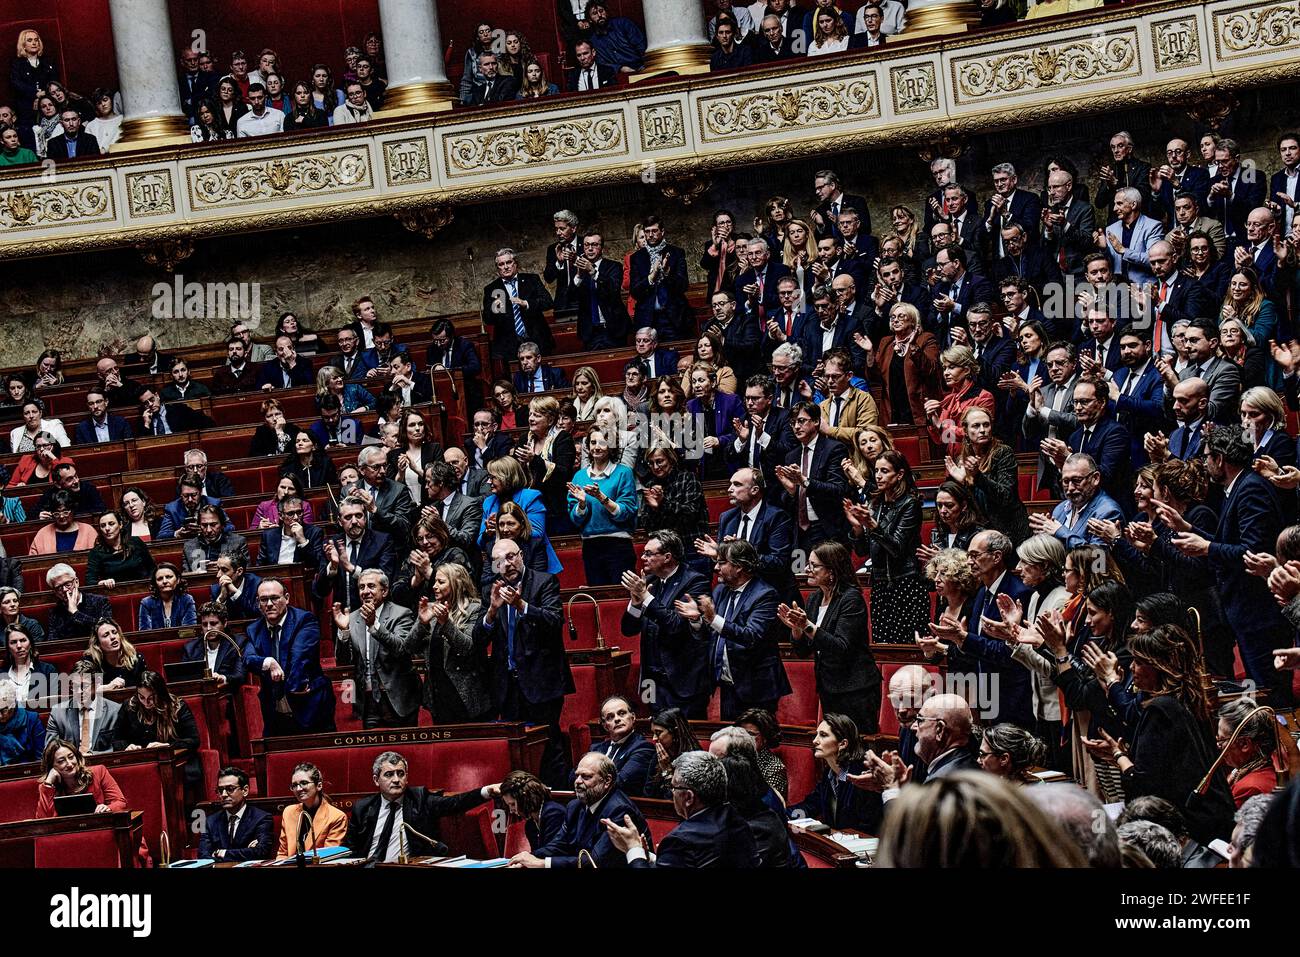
column 1062, row 659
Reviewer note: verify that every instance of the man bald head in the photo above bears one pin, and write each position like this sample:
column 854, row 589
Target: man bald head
column 1259, row 225
column 909, row 687
column 1191, row 399
column 943, row 725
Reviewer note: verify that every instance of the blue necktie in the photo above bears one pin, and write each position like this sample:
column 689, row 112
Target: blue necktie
column 520, row 329
column 720, row 644
column 510, row 636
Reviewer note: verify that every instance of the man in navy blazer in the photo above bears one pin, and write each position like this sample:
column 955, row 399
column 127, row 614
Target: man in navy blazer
column 990, row 555
column 235, row 587
column 101, row 426
column 346, row 557
column 674, row 665
column 763, row 435
column 1103, row 342
column 768, row 528
column 996, row 354
column 1173, row 297
column 1286, row 181
column 597, row 291
column 712, row 834
column 1009, row 204
column 597, row 797
column 737, row 625
column 283, row 648
column 528, row 668
column 287, row 370
column 598, row 75
column 756, row 288
column 826, row 308
column 658, row 284
column 1032, row 263
column 1250, row 521
column 633, row 755
column 1191, row 408
column 1100, row 436
column 787, row 323
column 1233, row 191
column 332, row 429
column 252, row 836
column 956, row 291
column 308, row 540
column 534, row 375
column 1190, row 179
column 1256, row 248
column 659, row 361
column 815, row 495
column 1137, row 393
column 228, row 663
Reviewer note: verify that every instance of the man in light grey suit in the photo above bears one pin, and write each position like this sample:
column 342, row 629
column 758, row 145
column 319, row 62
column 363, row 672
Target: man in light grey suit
column 1128, row 240
column 1201, row 339
column 1050, row 412
column 462, row 514
column 86, row 712
column 387, row 691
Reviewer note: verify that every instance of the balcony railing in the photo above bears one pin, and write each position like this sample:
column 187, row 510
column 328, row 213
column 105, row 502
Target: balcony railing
column 908, row 92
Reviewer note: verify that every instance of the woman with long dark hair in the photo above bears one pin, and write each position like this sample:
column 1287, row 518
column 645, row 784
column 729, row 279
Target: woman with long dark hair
column 833, row 627
column 25, row 671
column 303, row 114
column 957, row 520
column 987, row 465
column 117, row 555
column 155, row 717
column 141, row 518
column 672, row 735
column 168, row 604
column 309, row 464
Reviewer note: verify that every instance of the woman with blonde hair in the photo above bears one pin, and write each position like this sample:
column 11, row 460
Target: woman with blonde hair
column 586, row 392
column 550, row 457
column 31, row 74
column 113, row 657
column 456, row 689
column 799, row 252
column 972, row 820
column 1246, row 302
column 905, row 226
column 960, row 374
column 612, row 418
column 325, row 825
column 859, row 467
column 355, row 399
column 509, row 483
column 638, row 242
column 1263, row 418
column 64, row 771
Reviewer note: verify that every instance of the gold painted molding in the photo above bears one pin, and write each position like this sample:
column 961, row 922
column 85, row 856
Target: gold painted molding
column 910, row 93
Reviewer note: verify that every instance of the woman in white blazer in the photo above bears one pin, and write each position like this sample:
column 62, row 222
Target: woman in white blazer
column 23, row 438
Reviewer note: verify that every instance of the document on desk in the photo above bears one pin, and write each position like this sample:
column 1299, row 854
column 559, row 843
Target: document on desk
column 855, row 844
column 806, row 823
column 475, row 865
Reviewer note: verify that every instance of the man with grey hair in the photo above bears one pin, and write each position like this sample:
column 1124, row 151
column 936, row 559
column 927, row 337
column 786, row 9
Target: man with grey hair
column 388, row 503
column 909, row 688
column 711, row 834
column 788, row 376
column 561, row 262
column 360, row 547
column 943, row 742
column 534, row 375
column 1246, row 821
column 1084, row 501
column 658, row 362
column 597, row 797
column 216, row 485
column 402, row 818
column 944, row 171
column 1156, row 842
column 1124, row 171
column 1128, row 240
column 381, row 636
column 22, row 736
column 1083, row 818
column 1009, row 204
column 514, row 308
column 75, row 612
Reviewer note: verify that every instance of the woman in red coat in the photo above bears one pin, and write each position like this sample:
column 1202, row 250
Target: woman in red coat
column 1250, row 755
column 908, row 362
column 64, row 771
column 960, row 369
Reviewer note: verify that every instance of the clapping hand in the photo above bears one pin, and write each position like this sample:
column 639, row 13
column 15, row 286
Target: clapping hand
column 1260, row 564
column 793, row 617
column 1055, row 631
column 1284, row 582
column 1105, row 529
column 579, row 494
column 1106, row 750
column 688, row 608
column 636, row 586
column 707, row 546
column 653, row 495
column 623, row 836
column 1104, row 664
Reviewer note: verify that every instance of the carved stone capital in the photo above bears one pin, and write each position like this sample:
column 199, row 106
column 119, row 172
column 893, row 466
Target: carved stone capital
column 1211, row 109
column 687, row 188
column 428, row 221
column 167, row 253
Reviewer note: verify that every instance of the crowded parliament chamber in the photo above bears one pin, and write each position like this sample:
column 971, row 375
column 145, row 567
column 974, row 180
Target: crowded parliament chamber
column 628, row 434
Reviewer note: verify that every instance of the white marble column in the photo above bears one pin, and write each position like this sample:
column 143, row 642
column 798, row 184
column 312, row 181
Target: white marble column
column 146, row 70
column 417, row 78
column 676, row 41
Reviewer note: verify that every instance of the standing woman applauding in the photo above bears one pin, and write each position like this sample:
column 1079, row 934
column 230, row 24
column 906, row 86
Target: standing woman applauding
column 890, row 531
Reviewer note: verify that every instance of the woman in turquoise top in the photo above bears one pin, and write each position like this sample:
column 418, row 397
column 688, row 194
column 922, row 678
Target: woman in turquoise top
column 509, row 483
column 603, row 504
column 1245, row 301
column 11, row 153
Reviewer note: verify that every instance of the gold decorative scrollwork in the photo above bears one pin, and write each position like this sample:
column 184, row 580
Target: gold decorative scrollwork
column 167, row 253
column 427, row 221
column 1047, row 66
column 406, row 161
column 1263, row 28
column 51, row 206
column 1177, row 43
column 791, row 106
column 277, row 179
column 539, row 143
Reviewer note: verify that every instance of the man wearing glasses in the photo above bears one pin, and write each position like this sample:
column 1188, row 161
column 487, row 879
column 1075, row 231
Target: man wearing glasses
column 239, row 831
column 486, row 443
column 943, row 742
column 1050, row 412
column 283, row 647
column 1084, row 501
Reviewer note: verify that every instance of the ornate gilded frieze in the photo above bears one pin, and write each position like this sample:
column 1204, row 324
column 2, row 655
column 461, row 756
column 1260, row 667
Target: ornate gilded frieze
column 41, row 207
column 914, row 88
column 150, row 193
column 1177, row 43
column 1254, row 29
column 743, row 114
column 662, row 126
column 1037, row 68
column 307, row 175
column 527, row 145
column 406, row 162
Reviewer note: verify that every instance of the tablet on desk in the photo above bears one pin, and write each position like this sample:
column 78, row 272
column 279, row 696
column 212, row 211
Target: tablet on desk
column 175, row 671
column 68, row 805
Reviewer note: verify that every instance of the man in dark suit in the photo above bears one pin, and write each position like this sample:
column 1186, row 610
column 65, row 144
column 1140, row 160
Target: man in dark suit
column 101, row 426
column 86, row 499
column 788, row 323
column 472, row 481
column 955, row 292
column 737, row 624
column 673, row 663
column 831, row 330
column 659, row 362
column 830, row 264
column 332, row 429
column 239, row 831
column 996, row 354
column 1101, row 349
column 831, row 200
column 597, row 291
column 452, row 352
column 1068, row 224
column 462, row 514
column 514, row 308
column 633, row 755
column 658, row 284
column 1201, row 340
column 965, row 228
column 489, row 86
column 712, row 834
column 873, row 18
column 738, row 329
column 1125, row 171
column 588, row 74
column 763, row 437
column 287, row 370
column 293, row 541
column 180, row 516
column 350, row 359
column 892, row 287
column 1176, row 175
column 756, row 288
column 1019, row 260
column 1172, row 297
column 1137, row 393
column 1233, row 191
column 283, row 647
column 770, row 42
column 1009, row 204
column 360, row 547
column 75, row 143
column 768, row 528
column 1191, row 404
column 1284, row 185
column 389, row 503
column 413, row 387
column 380, row 636
column 1100, row 436
column 221, row 653
column 159, row 419
column 813, row 479
column 529, row 668
column 1250, row 521
column 86, row 717
column 403, row 818
column 374, row 362
column 237, row 374
column 534, row 375
column 120, row 391
column 195, row 85
column 597, row 797
column 235, row 590
column 858, row 246
column 487, row 442
column 1255, row 249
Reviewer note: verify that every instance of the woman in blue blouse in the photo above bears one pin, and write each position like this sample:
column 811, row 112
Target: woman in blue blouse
column 603, row 505
column 509, row 483
column 167, row 605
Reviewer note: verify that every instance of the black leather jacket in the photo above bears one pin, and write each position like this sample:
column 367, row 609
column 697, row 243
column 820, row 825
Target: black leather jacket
column 892, row 544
